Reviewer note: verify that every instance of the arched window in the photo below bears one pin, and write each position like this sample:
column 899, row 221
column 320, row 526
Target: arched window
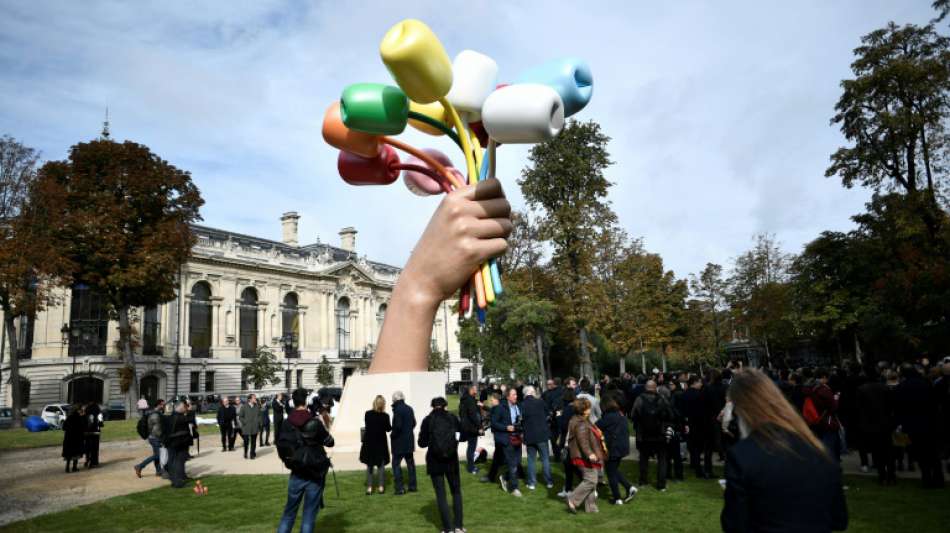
column 380, row 318
column 248, row 318
column 343, row 324
column 199, row 320
column 85, row 389
column 290, row 325
column 88, row 322
column 151, row 328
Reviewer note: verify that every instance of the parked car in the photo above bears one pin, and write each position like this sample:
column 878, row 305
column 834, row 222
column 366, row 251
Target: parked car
column 6, row 417
column 114, row 411
column 455, row 387
column 55, row 413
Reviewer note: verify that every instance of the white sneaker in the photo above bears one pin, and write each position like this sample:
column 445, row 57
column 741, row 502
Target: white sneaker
column 563, row 494
column 531, row 487
column 631, row 492
column 618, row 502
column 865, row 469
column 516, row 493
column 503, row 483
column 550, row 485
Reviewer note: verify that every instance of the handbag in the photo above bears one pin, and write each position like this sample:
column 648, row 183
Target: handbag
column 515, row 440
column 163, row 456
column 900, row 439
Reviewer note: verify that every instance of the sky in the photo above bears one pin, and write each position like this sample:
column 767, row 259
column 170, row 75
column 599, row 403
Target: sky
column 718, row 112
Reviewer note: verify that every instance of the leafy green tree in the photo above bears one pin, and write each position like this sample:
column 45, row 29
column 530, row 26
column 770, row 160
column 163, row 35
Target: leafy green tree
column 30, row 262
column 759, row 295
column 565, row 184
column 709, row 289
column 125, row 227
column 438, row 360
column 263, row 368
column 894, row 112
column 325, row 372
column 509, row 340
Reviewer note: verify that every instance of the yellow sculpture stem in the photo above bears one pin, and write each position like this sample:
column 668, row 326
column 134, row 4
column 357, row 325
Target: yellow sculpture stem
column 463, row 136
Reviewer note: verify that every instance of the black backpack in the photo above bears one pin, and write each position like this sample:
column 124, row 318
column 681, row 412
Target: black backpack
column 301, row 454
column 650, row 424
column 142, row 426
column 442, row 441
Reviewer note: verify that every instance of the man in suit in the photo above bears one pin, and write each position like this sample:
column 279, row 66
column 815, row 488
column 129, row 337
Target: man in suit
column 401, row 437
column 279, row 407
column 536, row 435
column 553, row 398
column 226, row 416
column 505, row 425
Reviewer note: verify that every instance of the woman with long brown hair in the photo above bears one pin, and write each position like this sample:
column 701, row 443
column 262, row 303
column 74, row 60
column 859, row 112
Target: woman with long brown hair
column 779, row 476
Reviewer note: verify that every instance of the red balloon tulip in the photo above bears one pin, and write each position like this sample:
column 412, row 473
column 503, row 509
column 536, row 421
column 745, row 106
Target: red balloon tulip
column 358, row 170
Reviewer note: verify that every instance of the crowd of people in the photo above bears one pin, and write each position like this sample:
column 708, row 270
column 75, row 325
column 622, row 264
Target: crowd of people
column 82, row 430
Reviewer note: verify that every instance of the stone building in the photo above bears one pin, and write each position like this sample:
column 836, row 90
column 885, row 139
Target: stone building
column 240, row 293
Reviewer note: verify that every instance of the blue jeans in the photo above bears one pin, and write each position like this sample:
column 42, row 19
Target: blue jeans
column 311, row 492
column 155, row 457
column 512, row 460
column 397, row 470
column 470, row 453
column 541, row 449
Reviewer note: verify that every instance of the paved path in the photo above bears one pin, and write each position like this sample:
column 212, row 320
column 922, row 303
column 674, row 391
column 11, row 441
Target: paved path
column 33, row 482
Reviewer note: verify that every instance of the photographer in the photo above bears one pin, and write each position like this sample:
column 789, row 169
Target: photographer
column 506, row 425
column 301, row 447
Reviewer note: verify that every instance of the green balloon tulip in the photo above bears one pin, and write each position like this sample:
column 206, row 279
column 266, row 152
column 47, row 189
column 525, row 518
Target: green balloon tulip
column 375, row 108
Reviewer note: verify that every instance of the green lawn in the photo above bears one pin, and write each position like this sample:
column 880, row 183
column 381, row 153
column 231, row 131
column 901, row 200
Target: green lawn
column 13, row 439
column 254, row 503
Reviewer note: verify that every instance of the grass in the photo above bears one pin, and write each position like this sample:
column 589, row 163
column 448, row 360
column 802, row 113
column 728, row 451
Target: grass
column 17, row 439
column 254, row 503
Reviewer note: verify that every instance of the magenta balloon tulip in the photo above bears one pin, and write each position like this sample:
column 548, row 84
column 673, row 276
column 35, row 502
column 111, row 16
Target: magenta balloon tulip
column 358, row 170
column 423, row 184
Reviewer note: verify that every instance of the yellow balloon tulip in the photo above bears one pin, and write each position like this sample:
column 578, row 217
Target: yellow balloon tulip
column 433, row 110
column 417, row 61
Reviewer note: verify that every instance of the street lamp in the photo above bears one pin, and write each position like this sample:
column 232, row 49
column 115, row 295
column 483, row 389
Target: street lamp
column 64, row 334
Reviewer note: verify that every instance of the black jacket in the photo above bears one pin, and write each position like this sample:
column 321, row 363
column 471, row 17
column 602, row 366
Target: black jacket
column 650, row 424
column 435, row 465
column 278, row 413
column 312, row 434
column 916, row 407
column 534, row 414
column 782, row 492
column 694, row 412
column 375, row 449
column 875, row 412
column 470, row 417
column 226, row 416
column 553, row 399
column 404, row 422
column 616, row 434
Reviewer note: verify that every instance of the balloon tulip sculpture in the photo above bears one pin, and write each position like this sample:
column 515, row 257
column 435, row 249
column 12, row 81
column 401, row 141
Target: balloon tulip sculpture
column 460, row 99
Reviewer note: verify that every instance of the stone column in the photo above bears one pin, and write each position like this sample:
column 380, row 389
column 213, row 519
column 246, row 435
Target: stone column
column 186, row 323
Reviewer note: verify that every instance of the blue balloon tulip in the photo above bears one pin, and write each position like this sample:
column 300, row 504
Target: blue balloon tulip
column 570, row 77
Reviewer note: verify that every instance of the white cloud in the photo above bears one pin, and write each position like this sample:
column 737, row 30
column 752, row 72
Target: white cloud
column 718, row 112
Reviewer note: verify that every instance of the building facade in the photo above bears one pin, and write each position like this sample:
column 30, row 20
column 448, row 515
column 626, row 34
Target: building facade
column 236, row 295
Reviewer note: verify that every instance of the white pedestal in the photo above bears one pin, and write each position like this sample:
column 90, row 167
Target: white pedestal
column 360, row 390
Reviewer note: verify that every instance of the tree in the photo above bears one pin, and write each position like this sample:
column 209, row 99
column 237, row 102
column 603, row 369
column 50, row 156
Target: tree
column 30, row 263
column 125, row 227
column 565, row 183
column 894, row 112
column 325, row 372
column 438, row 360
column 759, row 295
column 263, row 368
column 507, row 342
column 709, row 288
